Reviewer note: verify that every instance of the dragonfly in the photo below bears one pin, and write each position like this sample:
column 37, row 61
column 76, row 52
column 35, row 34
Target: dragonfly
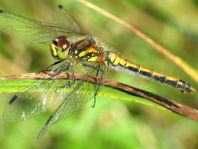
column 75, row 52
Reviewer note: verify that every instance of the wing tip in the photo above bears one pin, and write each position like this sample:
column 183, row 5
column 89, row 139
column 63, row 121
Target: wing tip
column 1, row 11
column 45, row 128
column 13, row 99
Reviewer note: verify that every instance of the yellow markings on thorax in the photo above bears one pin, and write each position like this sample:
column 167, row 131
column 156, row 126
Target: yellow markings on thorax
column 90, row 54
column 81, row 54
column 180, row 83
column 89, row 50
column 76, row 51
column 93, row 59
column 92, row 49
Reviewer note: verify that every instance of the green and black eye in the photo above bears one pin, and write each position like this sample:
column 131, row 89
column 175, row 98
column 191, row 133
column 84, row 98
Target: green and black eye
column 61, row 42
column 64, row 44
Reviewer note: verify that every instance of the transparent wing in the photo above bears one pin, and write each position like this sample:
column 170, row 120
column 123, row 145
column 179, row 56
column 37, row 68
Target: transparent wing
column 32, row 30
column 43, row 95
column 102, row 44
column 62, row 18
column 39, row 97
column 81, row 94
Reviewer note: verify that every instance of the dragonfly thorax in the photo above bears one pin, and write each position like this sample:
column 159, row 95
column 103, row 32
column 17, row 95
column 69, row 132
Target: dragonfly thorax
column 85, row 49
column 59, row 47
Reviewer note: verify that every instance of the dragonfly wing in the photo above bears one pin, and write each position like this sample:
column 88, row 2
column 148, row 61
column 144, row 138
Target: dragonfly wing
column 82, row 92
column 31, row 30
column 39, row 97
column 62, row 18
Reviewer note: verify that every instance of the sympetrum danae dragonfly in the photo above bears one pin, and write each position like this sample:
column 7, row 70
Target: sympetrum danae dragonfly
column 74, row 52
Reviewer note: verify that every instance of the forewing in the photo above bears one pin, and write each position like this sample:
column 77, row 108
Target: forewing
column 102, row 44
column 64, row 19
column 32, row 30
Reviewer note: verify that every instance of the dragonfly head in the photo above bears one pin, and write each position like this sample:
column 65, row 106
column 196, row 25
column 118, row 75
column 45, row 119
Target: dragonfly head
column 59, row 47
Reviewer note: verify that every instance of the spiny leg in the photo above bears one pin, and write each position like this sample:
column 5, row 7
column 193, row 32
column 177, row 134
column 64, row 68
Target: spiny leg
column 91, row 66
column 56, row 71
column 73, row 76
column 98, row 83
column 72, row 79
column 55, row 63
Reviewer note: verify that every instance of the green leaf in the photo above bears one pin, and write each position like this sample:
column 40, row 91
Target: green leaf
column 17, row 85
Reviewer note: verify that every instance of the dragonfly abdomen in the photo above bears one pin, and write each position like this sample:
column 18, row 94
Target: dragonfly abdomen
column 119, row 63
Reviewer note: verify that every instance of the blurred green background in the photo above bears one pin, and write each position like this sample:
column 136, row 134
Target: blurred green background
column 112, row 123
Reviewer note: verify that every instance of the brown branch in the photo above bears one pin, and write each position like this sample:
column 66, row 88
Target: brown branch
column 169, row 104
column 177, row 60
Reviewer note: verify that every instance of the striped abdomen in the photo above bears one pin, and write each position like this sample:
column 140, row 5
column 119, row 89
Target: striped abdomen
column 117, row 62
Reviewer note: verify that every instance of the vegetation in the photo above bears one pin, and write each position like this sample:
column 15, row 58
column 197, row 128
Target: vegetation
column 112, row 123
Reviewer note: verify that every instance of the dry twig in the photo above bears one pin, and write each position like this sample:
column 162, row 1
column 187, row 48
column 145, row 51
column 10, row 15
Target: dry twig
column 169, row 104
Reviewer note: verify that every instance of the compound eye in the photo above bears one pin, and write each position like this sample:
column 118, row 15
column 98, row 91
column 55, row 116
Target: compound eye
column 63, row 43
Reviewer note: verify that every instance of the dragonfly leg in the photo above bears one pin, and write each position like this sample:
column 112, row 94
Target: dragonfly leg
column 91, row 66
column 72, row 80
column 98, row 83
column 55, row 63
column 100, row 73
column 73, row 76
column 56, row 71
